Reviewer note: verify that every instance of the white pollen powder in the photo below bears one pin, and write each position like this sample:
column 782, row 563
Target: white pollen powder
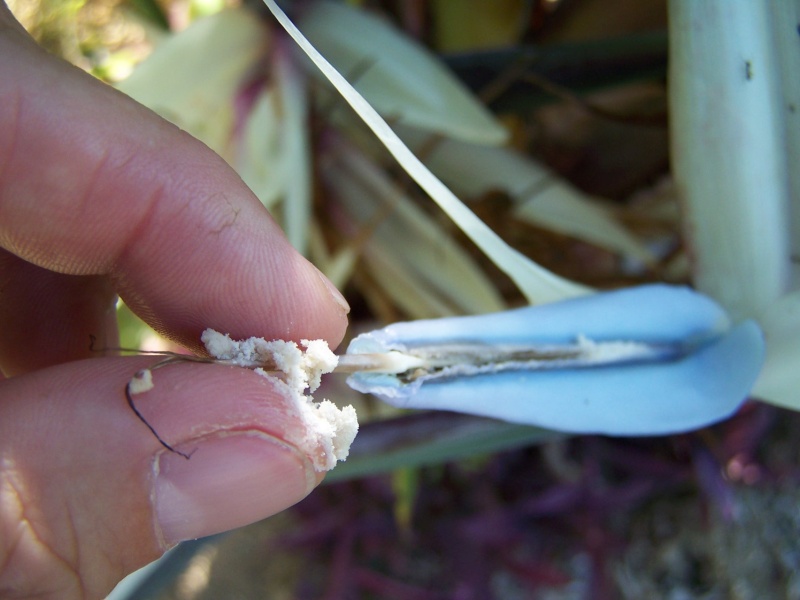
column 593, row 352
column 331, row 430
column 141, row 382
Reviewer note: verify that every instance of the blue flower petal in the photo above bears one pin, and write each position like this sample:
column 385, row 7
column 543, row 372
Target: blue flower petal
column 705, row 384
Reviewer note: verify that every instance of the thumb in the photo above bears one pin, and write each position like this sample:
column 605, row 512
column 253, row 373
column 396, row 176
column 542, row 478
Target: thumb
column 88, row 494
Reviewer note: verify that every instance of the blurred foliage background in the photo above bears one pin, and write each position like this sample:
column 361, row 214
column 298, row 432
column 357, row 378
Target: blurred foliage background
column 468, row 508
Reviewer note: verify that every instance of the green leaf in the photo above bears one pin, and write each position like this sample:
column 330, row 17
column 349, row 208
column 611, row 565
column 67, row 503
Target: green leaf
column 429, row 439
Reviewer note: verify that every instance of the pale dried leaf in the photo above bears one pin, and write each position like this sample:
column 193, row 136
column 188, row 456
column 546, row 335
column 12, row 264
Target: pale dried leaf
column 192, row 77
column 337, row 267
column 397, row 76
column 258, row 153
column 406, row 242
column 541, row 197
column 296, row 152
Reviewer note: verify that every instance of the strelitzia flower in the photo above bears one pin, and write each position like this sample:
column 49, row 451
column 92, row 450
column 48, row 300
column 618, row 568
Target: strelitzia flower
column 649, row 360
column 642, row 361
column 254, row 117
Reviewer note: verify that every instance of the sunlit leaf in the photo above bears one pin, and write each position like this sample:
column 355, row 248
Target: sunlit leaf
column 192, row 77
column 295, row 151
column 401, row 79
column 257, row 153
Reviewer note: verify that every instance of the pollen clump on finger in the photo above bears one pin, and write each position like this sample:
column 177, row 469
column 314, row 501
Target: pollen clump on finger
column 298, row 370
column 141, row 382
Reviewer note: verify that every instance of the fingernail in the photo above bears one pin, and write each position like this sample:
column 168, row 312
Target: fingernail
column 334, row 292
column 231, row 479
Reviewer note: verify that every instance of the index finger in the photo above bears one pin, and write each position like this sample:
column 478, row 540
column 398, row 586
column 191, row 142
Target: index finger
column 91, row 183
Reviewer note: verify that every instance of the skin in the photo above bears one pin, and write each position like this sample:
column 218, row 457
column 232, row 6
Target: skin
column 100, row 198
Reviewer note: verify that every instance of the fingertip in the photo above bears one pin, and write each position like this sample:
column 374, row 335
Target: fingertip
column 337, row 296
column 103, row 472
column 230, row 479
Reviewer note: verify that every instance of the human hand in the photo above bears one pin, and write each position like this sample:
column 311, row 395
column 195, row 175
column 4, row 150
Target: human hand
column 99, row 197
